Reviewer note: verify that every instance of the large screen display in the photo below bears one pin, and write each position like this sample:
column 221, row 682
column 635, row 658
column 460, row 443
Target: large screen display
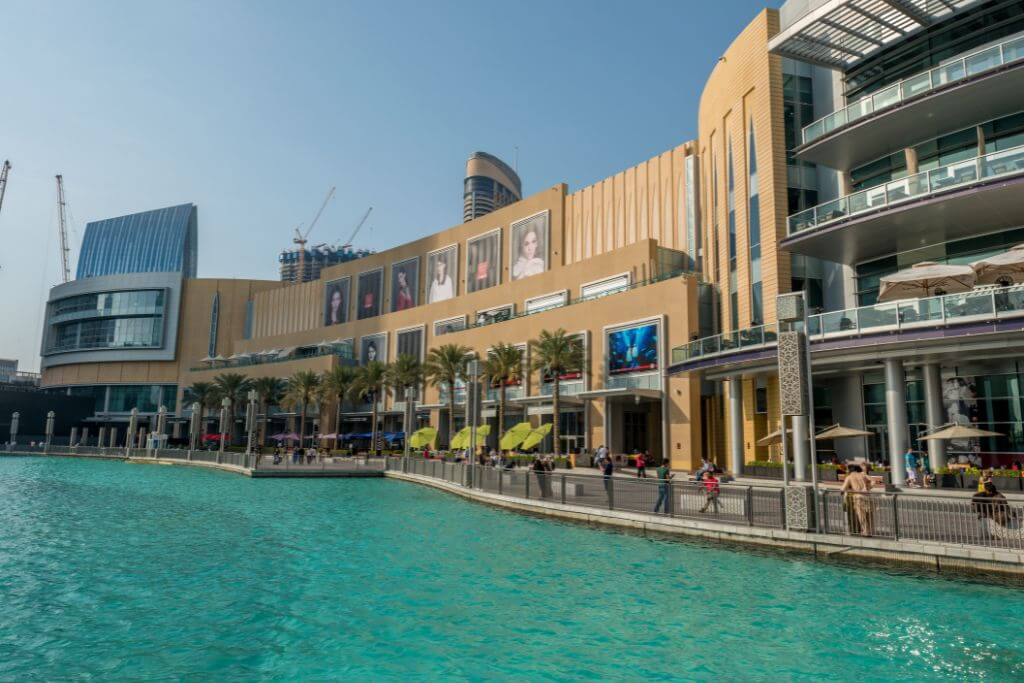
column 405, row 284
column 442, row 274
column 336, row 294
column 634, row 349
column 371, row 286
column 483, row 261
column 529, row 247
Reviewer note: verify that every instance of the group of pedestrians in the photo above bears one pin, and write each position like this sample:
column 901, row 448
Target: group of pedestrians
column 298, row 455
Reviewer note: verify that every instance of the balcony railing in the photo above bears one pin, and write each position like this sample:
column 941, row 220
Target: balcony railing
column 981, row 304
column 967, row 66
column 1004, row 163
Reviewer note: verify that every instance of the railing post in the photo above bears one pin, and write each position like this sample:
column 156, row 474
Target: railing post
column 782, row 507
column 501, row 480
column 563, row 489
column 527, row 484
column 611, row 492
column 895, row 518
column 750, row 505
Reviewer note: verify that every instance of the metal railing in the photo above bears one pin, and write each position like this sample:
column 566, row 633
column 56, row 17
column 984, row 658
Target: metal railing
column 1004, row 163
column 936, row 519
column 969, row 65
column 986, row 303
column 301, row 465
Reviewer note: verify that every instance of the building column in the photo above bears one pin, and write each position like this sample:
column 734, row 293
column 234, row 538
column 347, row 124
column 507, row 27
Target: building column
column 736, row 425
column 801, row 447
column 935, row 415
column 896, row 417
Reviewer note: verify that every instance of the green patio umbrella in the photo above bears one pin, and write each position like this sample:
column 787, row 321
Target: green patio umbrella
column 515, row 435
column 422, row 437
column 536, row 436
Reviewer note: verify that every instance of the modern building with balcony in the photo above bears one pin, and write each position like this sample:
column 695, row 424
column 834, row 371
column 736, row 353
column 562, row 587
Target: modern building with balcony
column 903, row 131
column 490, row 184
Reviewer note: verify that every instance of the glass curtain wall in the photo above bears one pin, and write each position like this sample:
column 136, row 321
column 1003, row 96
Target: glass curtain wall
column 754, row 233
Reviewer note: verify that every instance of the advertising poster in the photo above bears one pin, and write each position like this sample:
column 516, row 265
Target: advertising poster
column 405, row 284
column 528, row 254
column 336, row 293
column 373, row 347
column 371, row 287
column 410, row 343
column 483, row 261
column 634, row 349
column 442, row 274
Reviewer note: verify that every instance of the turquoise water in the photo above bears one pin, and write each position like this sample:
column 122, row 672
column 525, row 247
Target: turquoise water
column 115, row 571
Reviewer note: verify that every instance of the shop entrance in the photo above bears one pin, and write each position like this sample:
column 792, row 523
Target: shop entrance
column 634, row 431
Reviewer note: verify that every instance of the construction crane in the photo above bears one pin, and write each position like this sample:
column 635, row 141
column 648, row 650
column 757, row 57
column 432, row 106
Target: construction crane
column 301, row 238
column 63, row 227
column 4, row 170
column 355, row 232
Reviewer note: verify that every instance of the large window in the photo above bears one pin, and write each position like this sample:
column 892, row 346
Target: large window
column 730, row 200
column 754, row 233
column 130, row 319
column 879, row 172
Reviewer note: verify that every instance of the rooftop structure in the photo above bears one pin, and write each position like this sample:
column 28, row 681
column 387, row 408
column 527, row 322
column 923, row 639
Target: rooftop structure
column 159, row 241
column 490, row 184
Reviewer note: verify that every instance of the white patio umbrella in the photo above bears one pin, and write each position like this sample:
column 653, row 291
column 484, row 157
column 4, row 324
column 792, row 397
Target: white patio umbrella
column 838, row 431
column 926, row 279
column 1006, row 268
column 951, row 432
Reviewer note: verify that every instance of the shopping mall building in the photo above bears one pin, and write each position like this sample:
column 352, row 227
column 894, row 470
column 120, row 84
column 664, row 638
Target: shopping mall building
column 839, row 142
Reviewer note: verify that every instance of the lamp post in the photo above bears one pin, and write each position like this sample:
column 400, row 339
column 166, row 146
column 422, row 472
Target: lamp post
column 15, row 418
column 224, row 404
column 250, row 420
column 473, row 367
column 410, row 396
column 195, row 426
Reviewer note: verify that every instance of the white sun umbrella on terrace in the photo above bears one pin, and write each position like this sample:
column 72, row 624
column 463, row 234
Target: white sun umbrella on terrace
column 926, row 279
column 953, row 432
column 207, row 359
column 1006, row 268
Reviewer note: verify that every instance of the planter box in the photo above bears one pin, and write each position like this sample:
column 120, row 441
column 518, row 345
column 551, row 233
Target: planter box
column 948, row 481
column 1007, row 484
column 970, row 481
column 828, row 474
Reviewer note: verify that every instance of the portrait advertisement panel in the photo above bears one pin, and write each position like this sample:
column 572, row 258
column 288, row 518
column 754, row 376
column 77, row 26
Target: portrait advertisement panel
column 405, row 284
column 410, row 343
column 450, row 325
column 483, row 261
column 371, row 287
column 528, row 252
column 336, row 294
column 572, row 375
column 633, row 349
column 373, row 347
column 442, row 274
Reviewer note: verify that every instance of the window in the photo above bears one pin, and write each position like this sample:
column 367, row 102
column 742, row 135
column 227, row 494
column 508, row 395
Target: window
column 754, row 233
column 449, row 325
column 1004, row 133
column 892, row 167
column 692, row 245
column 548, row 301
column 214, row 317
column 730, row 205
column 947, row 149
column 600, row 288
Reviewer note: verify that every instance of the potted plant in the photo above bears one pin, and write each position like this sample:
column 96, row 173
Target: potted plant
column 970, row 478
column 1007, row 481
column 946, row 478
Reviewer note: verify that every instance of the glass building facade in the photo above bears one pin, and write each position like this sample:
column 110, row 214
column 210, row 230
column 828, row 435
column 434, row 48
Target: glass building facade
column 107, row 320
column 159, row 241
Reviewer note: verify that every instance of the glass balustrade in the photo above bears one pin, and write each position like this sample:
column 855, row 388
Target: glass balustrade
column 986, row 303
column 969, row 65
column 944, row 178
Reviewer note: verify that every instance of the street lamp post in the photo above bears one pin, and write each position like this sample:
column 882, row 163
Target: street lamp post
column 250, row 421
column 195, row 427
column 410, row 396
column 471, row 400
column 224, row 404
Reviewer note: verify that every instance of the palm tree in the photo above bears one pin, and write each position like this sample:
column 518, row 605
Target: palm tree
column 303, row 388
column 405, row 373
column 235, row 388
column 369, row 385
column 555, row 354
column 205, row 394
column 503, row 366
column 444, row 366
column 338, row 385
column 269, row 391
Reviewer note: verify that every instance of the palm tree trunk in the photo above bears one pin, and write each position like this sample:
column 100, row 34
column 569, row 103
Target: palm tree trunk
column 373, row 417
column 501, row 411
column 451, row 413
column 557, row 413
column 302, row 425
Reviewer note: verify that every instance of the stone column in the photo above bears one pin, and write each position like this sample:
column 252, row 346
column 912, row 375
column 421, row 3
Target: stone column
column 896, row 417
column 801, row 448
column 935, row 414
column 736, row 425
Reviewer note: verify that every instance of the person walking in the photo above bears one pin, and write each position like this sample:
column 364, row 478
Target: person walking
column 910, row 461
column 857, row 501
column 608, row 469
column 711, row 491
column 664, row 488
column 641, row 465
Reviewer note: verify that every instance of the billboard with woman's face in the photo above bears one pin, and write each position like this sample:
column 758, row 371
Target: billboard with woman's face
column 373, row 347
column 405, row 284
column 633, row 349
column 442, row 274
column 371, row 287
column 483, row 261
column 528, row 254
column 336, row 301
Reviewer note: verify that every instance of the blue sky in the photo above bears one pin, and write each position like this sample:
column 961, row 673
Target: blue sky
column 252, row 110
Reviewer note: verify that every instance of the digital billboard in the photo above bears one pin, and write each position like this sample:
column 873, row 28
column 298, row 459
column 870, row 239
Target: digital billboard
column 336, row 293
column 633, row 349
column 405, row 284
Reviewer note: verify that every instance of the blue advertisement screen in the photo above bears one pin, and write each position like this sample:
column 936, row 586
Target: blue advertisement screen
column 633, row 350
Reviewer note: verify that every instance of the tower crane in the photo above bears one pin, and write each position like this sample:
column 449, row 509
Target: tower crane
column 352, row 237
column 4, row 170
column 62, row 226
column 301, row 237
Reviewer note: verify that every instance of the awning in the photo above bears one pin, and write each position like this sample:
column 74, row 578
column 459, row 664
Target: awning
column 653, row 394
column 568, row 400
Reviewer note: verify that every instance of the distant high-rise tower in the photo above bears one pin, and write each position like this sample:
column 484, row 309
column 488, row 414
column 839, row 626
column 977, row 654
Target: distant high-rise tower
column 490, row 184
